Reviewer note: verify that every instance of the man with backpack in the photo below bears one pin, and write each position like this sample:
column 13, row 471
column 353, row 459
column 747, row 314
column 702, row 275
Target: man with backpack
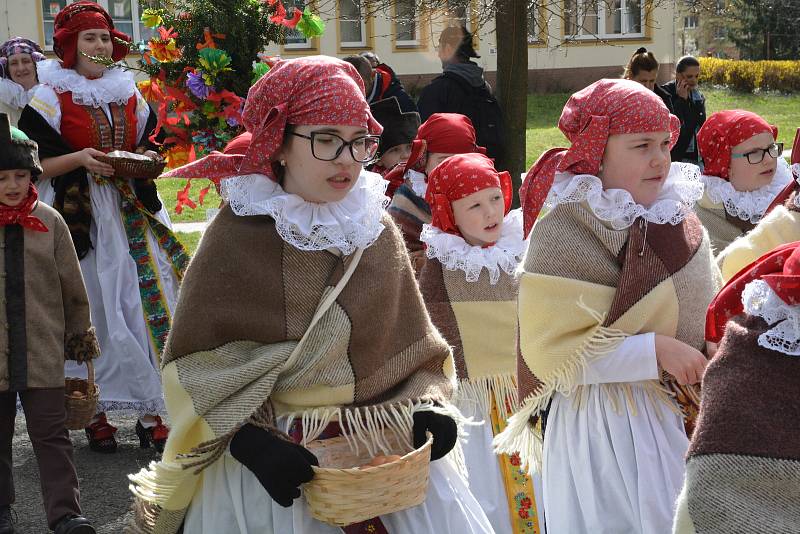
column 462, row 89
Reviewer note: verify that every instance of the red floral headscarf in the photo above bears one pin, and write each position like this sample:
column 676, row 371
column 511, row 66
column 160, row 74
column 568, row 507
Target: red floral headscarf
column 458, row 177
column 724, row 130
column 605, row 108
column 779, row 268
column 82, row 16
column 444, row 133
column 310, row 90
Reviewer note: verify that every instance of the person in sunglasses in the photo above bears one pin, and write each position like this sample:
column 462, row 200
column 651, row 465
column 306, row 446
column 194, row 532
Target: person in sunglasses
column 743, row 173
column 300, row 320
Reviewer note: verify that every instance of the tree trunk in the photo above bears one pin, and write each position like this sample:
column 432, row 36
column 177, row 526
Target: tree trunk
column 512, row 84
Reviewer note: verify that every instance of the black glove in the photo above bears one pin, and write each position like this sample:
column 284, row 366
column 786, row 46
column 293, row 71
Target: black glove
column 443, row 428
column 279, row 465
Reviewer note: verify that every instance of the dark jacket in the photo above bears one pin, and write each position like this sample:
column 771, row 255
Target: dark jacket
column 387, row 85
column 446, row 93
column 462, row 89
column 692, row 113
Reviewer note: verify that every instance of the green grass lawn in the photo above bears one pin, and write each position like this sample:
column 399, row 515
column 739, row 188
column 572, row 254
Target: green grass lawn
column 189, row 240
column 543, row 133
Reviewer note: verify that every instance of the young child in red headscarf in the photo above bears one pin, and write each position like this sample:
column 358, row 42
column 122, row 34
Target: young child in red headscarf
column 474, row 245
column 130, row 259
column 744, row 172
column 441, row 136
column 298, row 332
column 616, row 280
column 45, row 318
column 742, row 467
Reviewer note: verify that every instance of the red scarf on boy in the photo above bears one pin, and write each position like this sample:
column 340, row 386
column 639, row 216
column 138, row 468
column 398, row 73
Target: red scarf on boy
column 21, row 213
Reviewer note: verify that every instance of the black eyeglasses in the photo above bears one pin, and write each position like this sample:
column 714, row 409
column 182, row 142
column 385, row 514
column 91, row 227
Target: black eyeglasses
column 757, row 155
column 328, row 146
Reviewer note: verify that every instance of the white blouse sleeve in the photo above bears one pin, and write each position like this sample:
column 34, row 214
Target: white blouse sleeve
column 45, row 102
column 634, row 360
column 142, row 114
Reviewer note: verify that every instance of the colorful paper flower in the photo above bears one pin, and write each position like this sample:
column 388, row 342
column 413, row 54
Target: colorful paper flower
column 164, row 48
column 151, row 90
column 310, row 25
column 213, row 61
column 151, row 18
column 197, row 85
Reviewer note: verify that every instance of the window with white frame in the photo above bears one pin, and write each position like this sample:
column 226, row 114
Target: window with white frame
column 587, row 19
column 295, row 39
column 534, row 25
column 126, row 15
column 406, row 23
column 352, row 24
column 690, row 21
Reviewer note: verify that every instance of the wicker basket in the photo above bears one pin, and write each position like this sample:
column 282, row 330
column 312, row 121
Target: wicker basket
column 137, row 169
column 340, row 495
column 81, row 409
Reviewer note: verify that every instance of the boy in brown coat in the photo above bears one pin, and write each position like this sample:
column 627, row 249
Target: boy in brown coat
column 44, row 319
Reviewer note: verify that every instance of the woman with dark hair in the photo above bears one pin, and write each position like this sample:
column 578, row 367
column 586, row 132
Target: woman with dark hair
column 130, row 259
column 642, row 67
column 18, row 59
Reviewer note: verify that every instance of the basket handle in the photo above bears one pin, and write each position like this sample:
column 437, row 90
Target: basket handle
column 90, row 374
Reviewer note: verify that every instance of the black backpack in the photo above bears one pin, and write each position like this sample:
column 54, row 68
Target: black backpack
column 484, row 111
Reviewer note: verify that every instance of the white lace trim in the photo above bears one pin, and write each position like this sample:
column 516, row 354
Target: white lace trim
column 418, row 182
column 455, row 254
column 760, row 300
column 747, row 205
column 13, row 94
column 351, row 223
column 681, row 190
column 796, row 176
column 115, row 86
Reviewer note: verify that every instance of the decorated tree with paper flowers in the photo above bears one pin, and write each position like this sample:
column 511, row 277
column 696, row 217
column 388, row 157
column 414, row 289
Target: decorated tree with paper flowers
column 202, row 59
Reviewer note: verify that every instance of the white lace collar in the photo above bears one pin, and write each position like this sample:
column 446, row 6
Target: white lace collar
column 115, row 86
column 455, row 253
column 350, row 223
column 681, row 190
column 760, row 300
column 747, row 205
column 13, row 94
column 418, row 181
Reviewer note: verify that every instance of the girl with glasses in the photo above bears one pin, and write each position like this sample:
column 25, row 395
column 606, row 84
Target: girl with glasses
column 302, row 297
column 743, row 173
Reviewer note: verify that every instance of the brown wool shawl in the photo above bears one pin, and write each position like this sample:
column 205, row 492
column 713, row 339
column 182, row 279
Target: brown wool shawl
column 723, row 229
column 479, row 320
column 246, row 300
column 743, row 466
column 585, row 288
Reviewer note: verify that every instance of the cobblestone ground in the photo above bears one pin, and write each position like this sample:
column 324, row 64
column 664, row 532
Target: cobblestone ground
column 103, row 478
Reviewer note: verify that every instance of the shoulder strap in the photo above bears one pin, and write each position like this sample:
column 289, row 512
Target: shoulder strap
column 325, row 303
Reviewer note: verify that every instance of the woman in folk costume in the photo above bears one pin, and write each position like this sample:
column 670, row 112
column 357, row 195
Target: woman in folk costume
column 743, row 173
column 474, row 245
column 18, row 59
column 130, row 259
column 399, row 130
column 780, row 225
column 441, row 136
column 616, row 281
column 304, row 229
column 743, row 467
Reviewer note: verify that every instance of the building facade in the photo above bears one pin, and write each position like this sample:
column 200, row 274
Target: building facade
column 589, row 40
